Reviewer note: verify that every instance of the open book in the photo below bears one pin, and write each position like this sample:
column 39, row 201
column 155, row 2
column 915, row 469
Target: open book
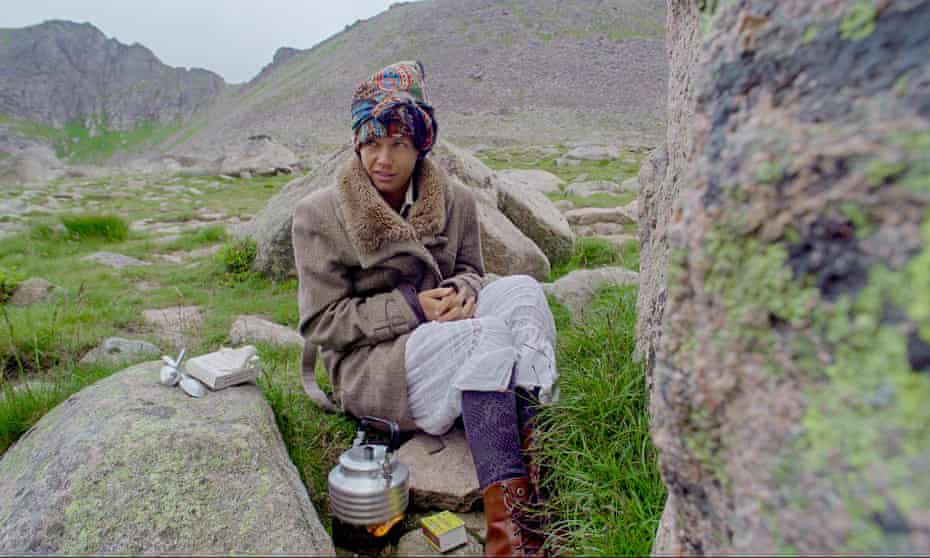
column 225, row 367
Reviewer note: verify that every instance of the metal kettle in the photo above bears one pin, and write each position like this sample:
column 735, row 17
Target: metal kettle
column 370, row 487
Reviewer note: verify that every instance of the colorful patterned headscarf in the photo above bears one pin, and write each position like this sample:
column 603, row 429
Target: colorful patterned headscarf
column 394, row 102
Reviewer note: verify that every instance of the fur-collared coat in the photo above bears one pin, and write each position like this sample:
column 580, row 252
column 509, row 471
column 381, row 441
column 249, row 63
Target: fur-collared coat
column 352, row 251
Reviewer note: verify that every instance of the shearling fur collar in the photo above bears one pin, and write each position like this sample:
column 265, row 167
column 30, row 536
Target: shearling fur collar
column 371, row 222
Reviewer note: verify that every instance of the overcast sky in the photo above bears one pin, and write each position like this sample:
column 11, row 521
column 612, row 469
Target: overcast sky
column 233, row 38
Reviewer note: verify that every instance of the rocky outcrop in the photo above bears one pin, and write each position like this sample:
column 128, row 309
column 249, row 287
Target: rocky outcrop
column 128, row 466
column 506, row 249
column 58, row 71
column 793, row 369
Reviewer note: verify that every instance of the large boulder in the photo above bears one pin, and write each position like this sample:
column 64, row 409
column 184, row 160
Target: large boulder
column 128, row 466
column 536, row 216
column 271, row 227
column 507, row 250
column 260, row 155
column 792, row 374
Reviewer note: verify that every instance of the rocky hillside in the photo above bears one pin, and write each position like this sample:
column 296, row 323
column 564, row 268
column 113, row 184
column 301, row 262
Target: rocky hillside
column 540, row 71
column 61, row 80
column 524, row 71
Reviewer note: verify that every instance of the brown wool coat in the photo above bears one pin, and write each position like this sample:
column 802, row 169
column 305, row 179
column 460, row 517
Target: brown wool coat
column 352, row 251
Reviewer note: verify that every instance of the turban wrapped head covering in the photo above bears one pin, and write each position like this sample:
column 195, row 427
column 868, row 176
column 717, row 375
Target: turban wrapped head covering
column 394, row 102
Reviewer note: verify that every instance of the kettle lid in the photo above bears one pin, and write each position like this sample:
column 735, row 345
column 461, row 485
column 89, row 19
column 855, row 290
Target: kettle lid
column 365, row 458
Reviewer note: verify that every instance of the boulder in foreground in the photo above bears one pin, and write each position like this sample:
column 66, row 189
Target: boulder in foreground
column 128, row 466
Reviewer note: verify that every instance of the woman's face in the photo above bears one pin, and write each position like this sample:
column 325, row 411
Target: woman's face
column 389, row 162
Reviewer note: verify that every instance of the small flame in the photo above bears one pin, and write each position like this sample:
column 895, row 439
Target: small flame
column 381, row 529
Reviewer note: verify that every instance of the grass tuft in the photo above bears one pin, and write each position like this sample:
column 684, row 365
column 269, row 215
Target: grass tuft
column 314, row 439
column 607, row 494
column 107, row 227
column 591, row 252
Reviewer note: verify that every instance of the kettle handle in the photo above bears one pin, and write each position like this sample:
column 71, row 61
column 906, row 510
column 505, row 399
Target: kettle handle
column 365, row 422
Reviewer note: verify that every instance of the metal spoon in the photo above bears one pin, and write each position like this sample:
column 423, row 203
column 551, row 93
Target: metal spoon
column 170, row 373
column 192, row 386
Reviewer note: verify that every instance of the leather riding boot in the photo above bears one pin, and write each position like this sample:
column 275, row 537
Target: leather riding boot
column 512, row 531
column 531, row 461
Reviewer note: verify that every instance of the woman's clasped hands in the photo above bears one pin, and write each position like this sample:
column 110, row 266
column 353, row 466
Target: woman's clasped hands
column 445, row 304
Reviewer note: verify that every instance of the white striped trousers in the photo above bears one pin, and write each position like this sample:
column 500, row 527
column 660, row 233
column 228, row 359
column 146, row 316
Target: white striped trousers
column 512, row 332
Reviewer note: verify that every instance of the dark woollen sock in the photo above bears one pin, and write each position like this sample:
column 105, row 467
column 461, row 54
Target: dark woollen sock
column 490, row 419
column 527, row 405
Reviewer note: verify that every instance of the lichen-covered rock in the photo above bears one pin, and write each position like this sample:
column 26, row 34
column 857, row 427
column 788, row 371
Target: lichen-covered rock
column 791, row 379
column 128, row 466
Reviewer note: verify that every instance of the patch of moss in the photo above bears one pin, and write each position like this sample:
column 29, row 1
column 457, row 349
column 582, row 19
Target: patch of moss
column 859, row 21
column 810, row 34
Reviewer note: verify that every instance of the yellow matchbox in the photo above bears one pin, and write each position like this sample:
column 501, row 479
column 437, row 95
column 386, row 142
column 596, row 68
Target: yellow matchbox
column 444, row 531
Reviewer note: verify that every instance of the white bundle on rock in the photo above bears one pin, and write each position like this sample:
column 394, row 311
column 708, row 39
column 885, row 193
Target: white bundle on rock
column 225, row 367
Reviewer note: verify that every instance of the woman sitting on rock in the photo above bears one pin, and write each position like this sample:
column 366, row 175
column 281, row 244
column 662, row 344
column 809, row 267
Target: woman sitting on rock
column 392, row 290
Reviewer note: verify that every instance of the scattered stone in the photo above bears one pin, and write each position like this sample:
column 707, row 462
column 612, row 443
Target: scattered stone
column 31, row 291
column 252, row 329
column 119, row 350
column 128, row 466
column 171, row 258
column 619, row 240
column 591, row 215
column 632, row 208
column 114, row 260
column 145, row 286
column 630, row 185
column 605, row 229
column 564, row 205
column 563, row 162
column 442, row 473
column 538, row 180
column 414, row 543
column 594, row 152
column 576, row 290
column 174, row 324
column 592, row 187
column 167, row 239
column 584, row 230
column 259, row 155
